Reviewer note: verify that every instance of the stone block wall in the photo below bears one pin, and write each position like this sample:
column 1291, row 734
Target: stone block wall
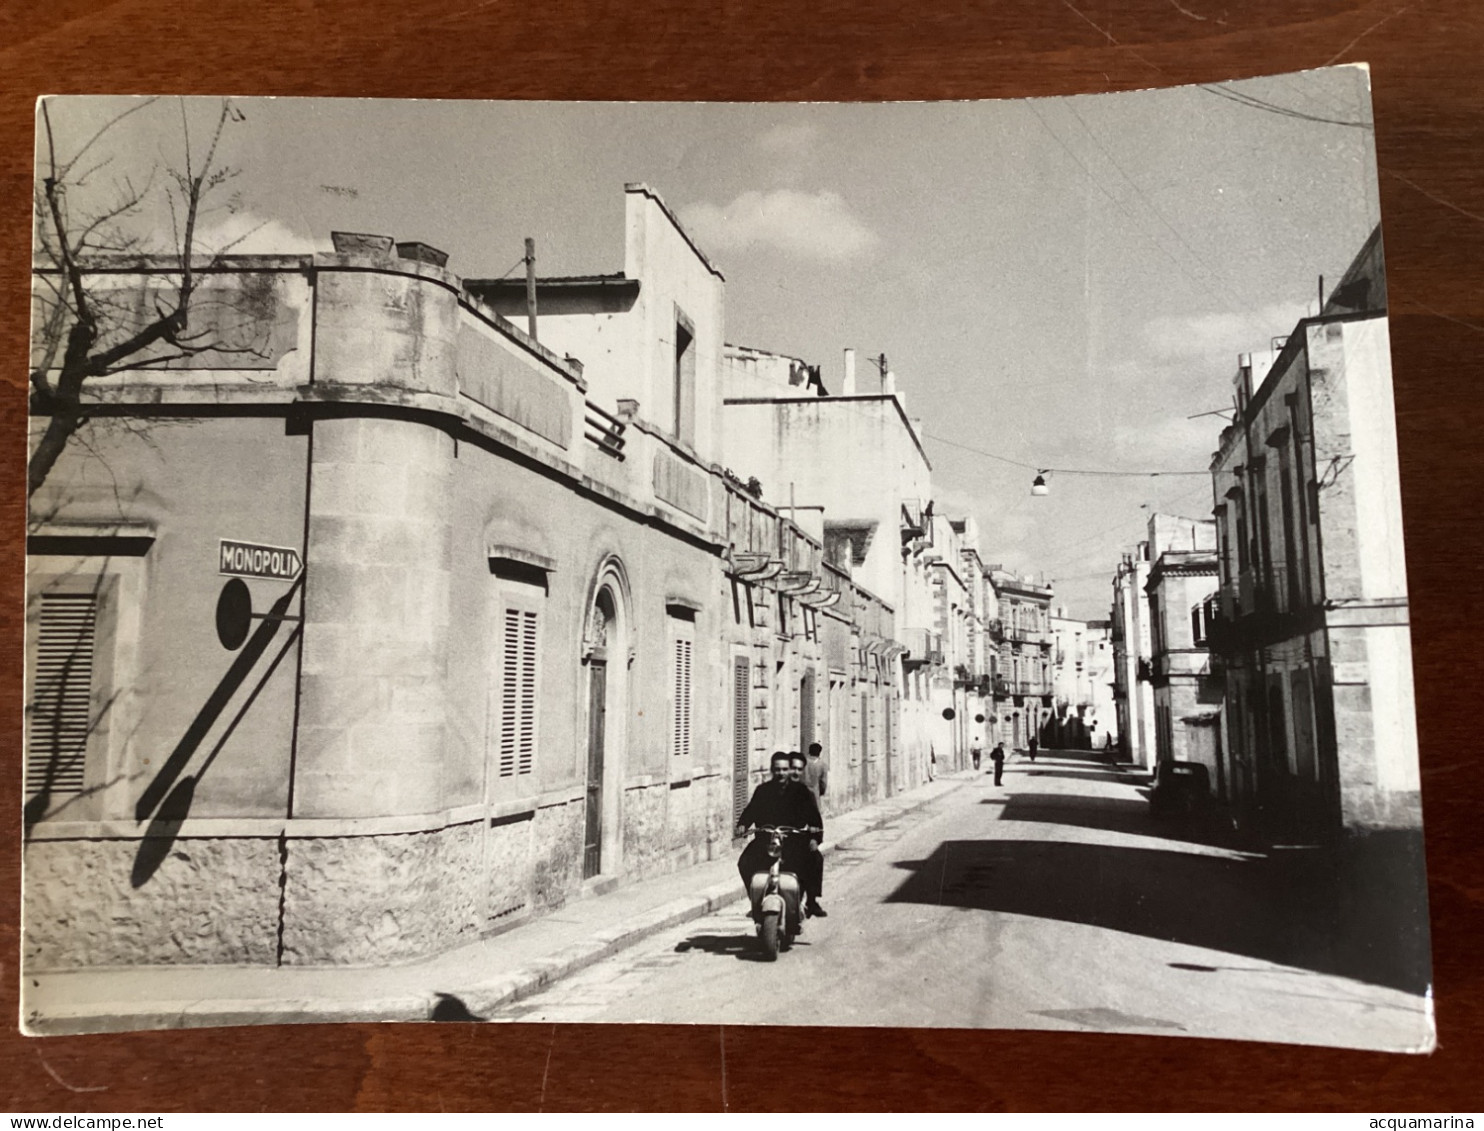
column 209, row 901
column 378, row 899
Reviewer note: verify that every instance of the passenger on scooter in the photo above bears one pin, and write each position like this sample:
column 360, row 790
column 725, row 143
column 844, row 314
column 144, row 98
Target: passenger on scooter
column 812, row 877
column 778, row 801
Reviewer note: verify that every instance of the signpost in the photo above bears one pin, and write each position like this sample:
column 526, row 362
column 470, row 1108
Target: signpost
column 247, row 559
column 234, row 615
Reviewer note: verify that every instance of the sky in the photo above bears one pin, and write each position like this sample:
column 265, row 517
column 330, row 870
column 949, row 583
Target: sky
column 1057, row 283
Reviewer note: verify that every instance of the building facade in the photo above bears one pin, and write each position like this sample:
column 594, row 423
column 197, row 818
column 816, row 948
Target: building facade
column 1187, row 698
column 1312, row 626
column 404, row 625
column 1022, row 684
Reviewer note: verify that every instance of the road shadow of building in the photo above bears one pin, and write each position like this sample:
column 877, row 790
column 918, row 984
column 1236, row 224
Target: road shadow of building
column 1358, row 913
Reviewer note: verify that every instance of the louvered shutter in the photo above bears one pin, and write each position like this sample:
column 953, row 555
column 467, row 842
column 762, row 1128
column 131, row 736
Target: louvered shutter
column 62, row 705
column 518, row 694
column 682, row 689
column 741, row 734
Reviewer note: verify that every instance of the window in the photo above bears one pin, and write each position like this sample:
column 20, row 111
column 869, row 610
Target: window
column 85, row 603
column 1199, row 623
column 685, row 378
column 61, row 706
column 518, row 692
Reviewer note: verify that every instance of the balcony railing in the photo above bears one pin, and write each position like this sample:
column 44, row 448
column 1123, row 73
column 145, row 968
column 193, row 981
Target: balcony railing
column 603, row 430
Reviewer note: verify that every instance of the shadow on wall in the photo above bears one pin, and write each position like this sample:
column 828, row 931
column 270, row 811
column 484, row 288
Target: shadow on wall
column 166, row 801
column 1358, row 912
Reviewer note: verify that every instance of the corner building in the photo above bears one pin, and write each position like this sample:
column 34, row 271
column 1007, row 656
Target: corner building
column 536, row 646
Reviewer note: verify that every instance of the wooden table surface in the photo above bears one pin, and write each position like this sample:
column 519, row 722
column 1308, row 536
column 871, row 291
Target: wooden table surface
column 1428, row 84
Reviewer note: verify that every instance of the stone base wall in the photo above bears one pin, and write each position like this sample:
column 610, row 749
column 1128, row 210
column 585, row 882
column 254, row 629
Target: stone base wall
column 665, row 829
column 645, row 839
column 556, row 851
column 209, row 901
column 378, row 899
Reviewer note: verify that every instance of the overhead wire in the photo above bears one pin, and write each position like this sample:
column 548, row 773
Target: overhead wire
column 1044, row 469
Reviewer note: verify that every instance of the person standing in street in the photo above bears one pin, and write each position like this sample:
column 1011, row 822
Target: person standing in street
column 817, row 774
column 975, row 754
column 997, row 756
column 1033, row 748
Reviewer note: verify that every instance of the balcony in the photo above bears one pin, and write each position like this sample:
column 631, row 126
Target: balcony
column 923, row 647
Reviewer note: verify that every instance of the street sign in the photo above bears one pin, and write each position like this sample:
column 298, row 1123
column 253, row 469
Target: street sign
column 246, row 559
column 233, row 614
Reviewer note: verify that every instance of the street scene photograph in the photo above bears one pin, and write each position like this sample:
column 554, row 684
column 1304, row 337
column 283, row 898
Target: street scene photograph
column 898, row 564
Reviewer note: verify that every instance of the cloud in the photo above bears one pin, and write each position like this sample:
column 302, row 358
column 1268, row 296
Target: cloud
column 243, row 233
column 1221, row 335
column 815, row 225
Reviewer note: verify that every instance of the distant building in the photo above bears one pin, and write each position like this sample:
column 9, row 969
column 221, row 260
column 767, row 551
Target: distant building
column 1022, row 683
column 1312, row 627
column 855, row 461
column 1102, row 727
column 1187, row 699
column 1083, row 713
column 1132, row 632
column 1133, row 694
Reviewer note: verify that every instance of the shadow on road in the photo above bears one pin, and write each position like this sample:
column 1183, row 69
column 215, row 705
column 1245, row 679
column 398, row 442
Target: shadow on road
column 1112, row 814
column 1116, row 777
column 744, row 948
column 1360, row 913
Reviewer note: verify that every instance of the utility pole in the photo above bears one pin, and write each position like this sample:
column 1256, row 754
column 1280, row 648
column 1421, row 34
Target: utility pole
column 531, row 287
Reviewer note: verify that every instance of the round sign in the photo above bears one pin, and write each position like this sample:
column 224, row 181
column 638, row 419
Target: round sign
column 233, row 614
column 948, row 712
column 978, row 718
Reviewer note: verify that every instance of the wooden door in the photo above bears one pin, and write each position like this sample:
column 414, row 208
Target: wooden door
column 592, row 853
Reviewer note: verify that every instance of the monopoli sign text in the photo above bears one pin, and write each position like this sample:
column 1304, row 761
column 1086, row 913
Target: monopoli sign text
column 245, row 559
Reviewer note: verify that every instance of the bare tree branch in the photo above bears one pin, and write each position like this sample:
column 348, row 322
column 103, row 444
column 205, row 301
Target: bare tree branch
column 74, row 325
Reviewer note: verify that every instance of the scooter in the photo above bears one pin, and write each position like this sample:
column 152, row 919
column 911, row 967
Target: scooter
column 776, row 896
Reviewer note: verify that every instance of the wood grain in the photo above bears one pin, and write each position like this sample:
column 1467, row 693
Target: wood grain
column 1429, row 92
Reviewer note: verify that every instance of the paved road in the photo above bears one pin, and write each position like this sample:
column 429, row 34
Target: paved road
column 1050, row 903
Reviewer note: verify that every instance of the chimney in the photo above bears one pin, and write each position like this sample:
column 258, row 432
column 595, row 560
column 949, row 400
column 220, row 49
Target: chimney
column 889, row 383
column 847, row 386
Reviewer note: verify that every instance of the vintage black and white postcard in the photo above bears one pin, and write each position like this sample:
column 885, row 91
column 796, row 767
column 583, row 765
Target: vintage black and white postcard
column 931, row 564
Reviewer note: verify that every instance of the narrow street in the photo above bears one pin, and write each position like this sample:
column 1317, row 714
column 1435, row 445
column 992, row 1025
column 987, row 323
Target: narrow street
column 1052, row 902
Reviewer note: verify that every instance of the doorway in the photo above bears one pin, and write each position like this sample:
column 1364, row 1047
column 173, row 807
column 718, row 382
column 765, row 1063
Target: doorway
column 597, row 706
column 605, row 655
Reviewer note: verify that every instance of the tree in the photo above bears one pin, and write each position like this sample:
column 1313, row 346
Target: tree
column 83, row 330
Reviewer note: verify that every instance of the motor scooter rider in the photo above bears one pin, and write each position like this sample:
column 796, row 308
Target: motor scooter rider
column 778, row 801
column 813, row 875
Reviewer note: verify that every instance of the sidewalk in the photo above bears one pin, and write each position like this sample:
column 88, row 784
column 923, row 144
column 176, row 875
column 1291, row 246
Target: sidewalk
column 460, row 985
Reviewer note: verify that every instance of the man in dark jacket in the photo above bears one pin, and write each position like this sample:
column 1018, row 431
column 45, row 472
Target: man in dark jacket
column 779, row 801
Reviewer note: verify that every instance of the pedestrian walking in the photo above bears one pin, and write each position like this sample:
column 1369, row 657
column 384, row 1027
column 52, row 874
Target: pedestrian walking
column 1033, row 749
column 997, row 756
column 975, row 753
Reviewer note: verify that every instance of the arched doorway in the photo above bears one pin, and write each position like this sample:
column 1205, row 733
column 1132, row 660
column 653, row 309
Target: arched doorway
column 605, row 660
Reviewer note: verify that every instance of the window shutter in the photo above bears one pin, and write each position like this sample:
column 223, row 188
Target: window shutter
column 518, row 694
column 682, row 696
column 62, row 704
column 741, row 734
